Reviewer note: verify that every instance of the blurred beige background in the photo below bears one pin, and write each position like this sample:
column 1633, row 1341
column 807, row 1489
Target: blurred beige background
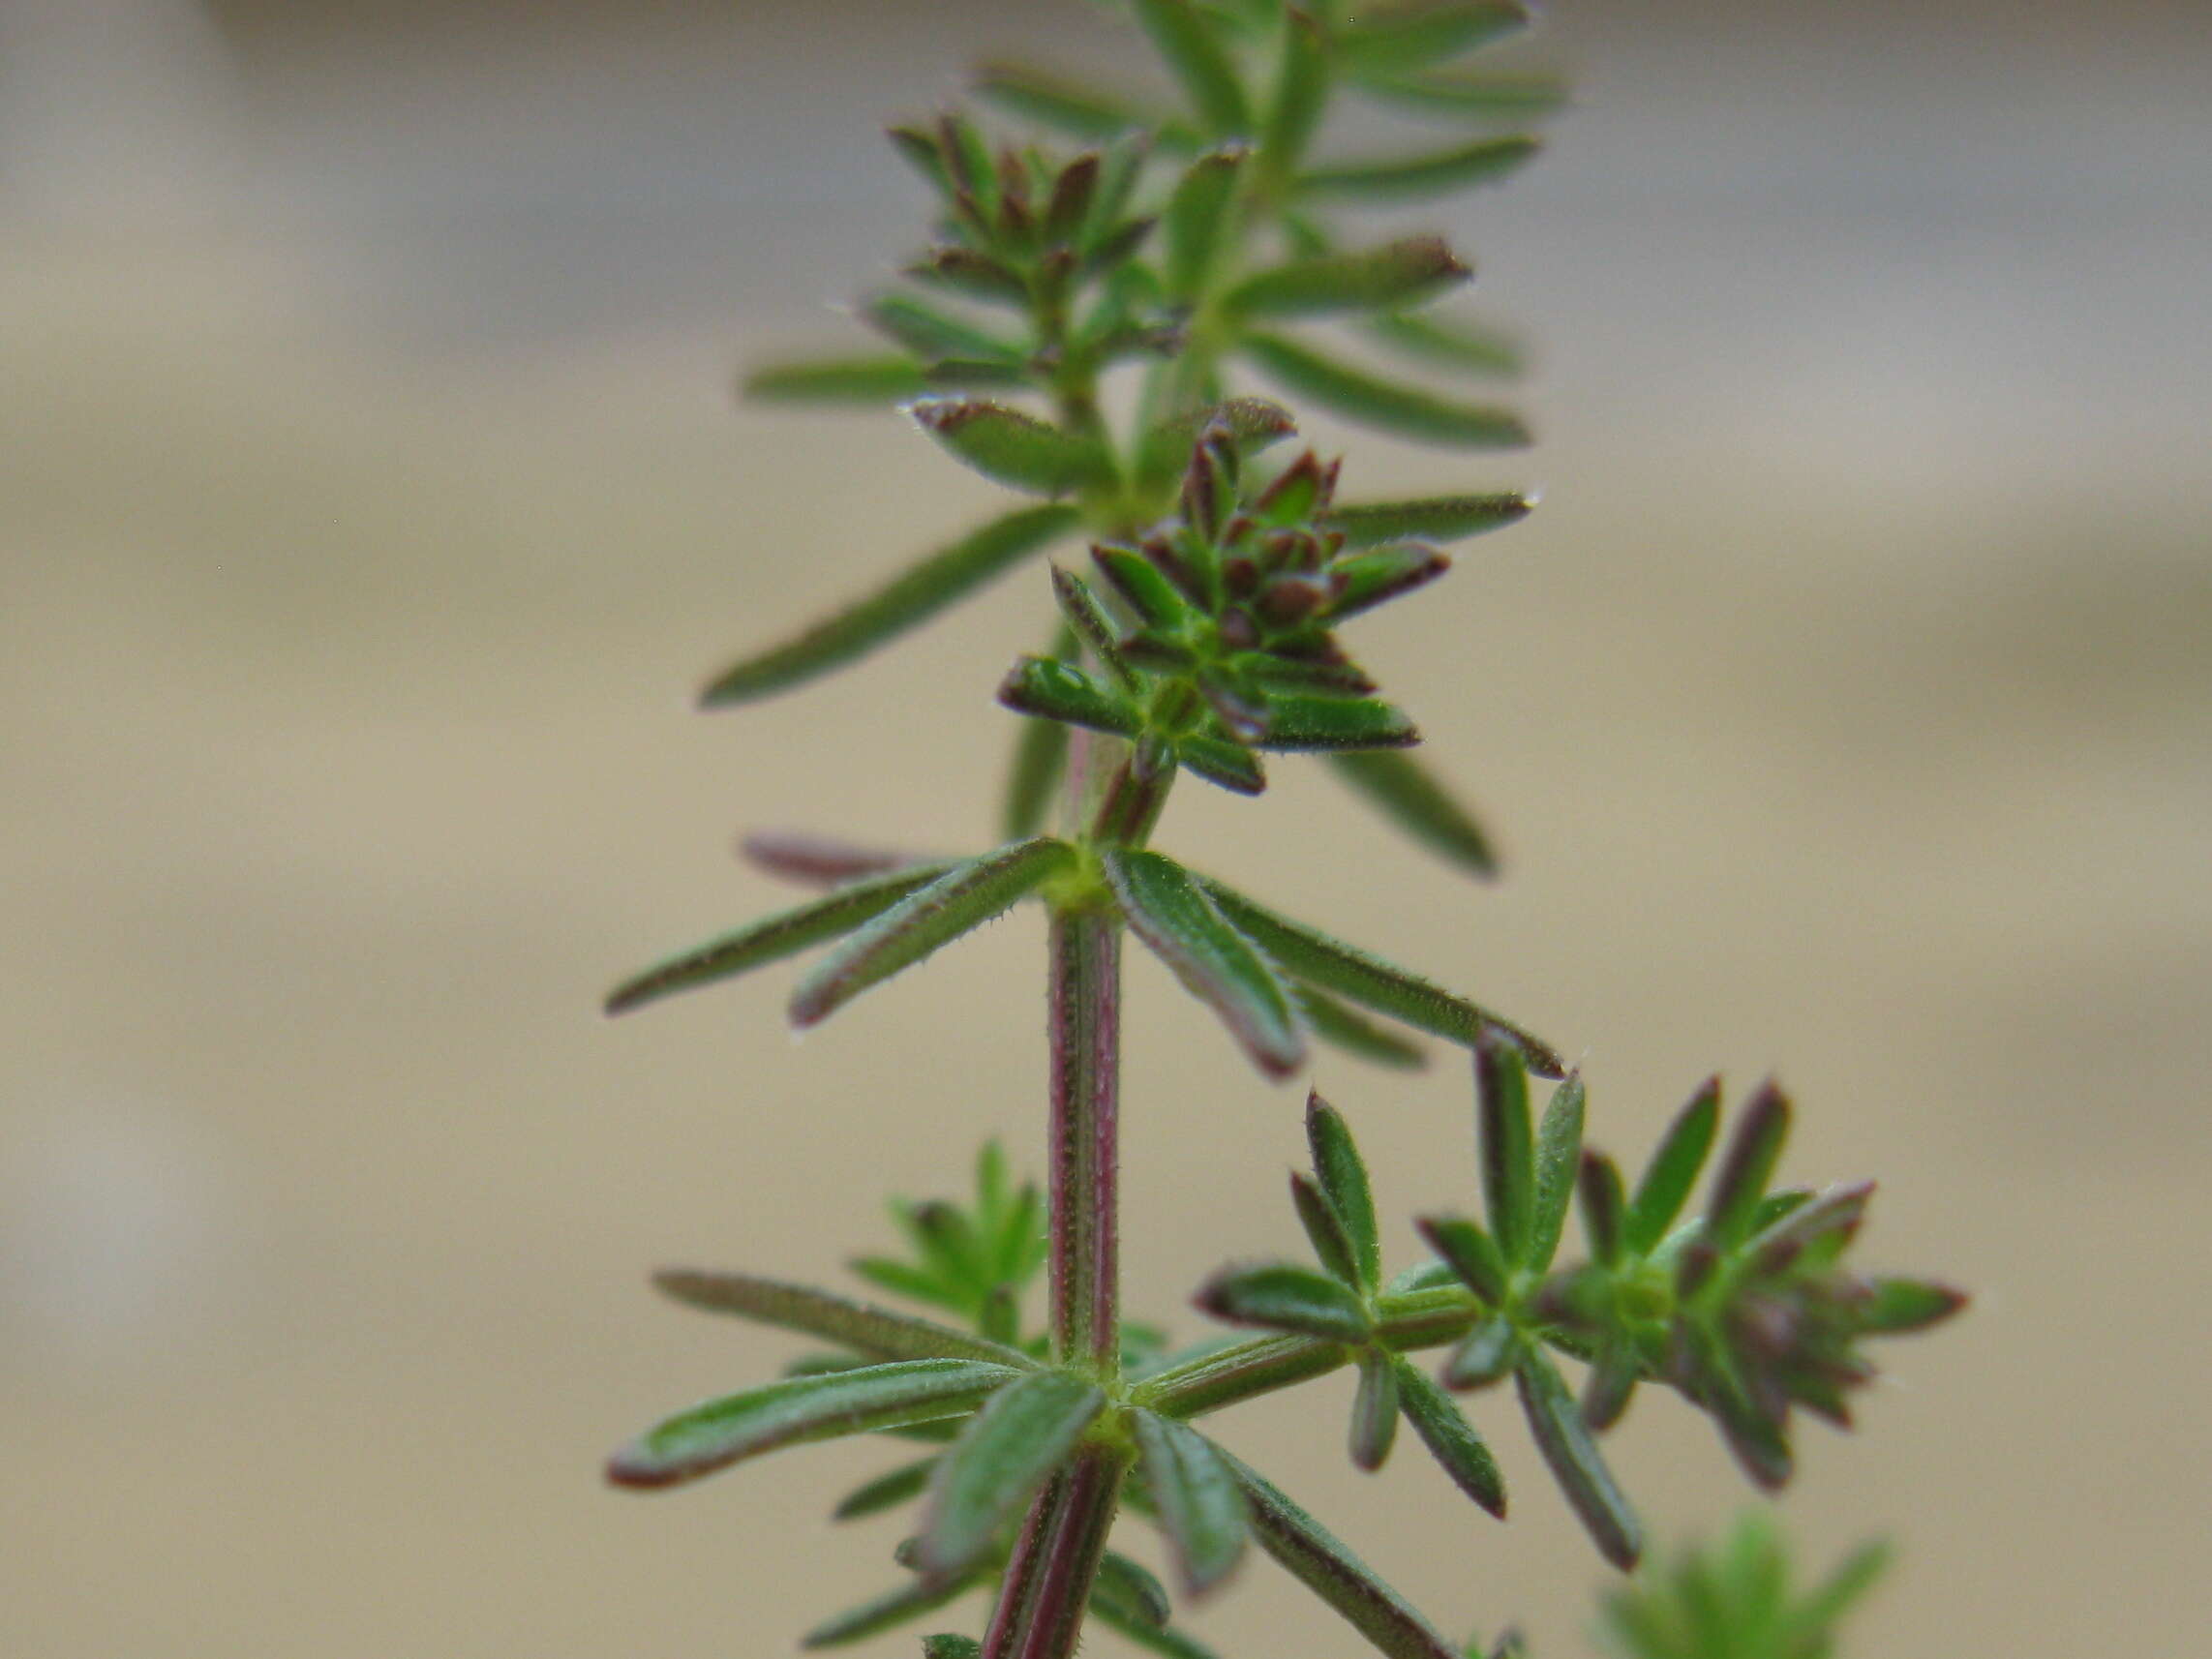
column 371, row 502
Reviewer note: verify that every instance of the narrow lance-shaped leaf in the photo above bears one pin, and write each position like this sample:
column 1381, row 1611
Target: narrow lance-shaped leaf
column 775, row 937
column 1441, row 518
column 961, row 900
column 1336, row 724
column 1012, row 448
column 1373, row 1411
column 1199, row 1503
column 1062, row 692
column 934, row 334
column 1559, row 1162
column 1507, row 1144
column 1278, row 1296
column 906, row 602
column 1343, row 1176
column 888, row 1491
column 999, row 1461
column 722, row 1431
column 1199, row 222
column 1898, row 1306
column 1475, row 96
column 1414, row 34
column 1395, row 273
column 1187, row 41
column 1311, row 955
column 883, row 379
column 1739, row 1185
column 876, row 1331
column 1412, row 797
column 1470, row 1253
column 1450, row 1437
column 819, row 860
column 1575, row 1462
column 1079, row 108
column 1324, row 1229
column 1225, row 764
column 1484, row 1355
column 1299, row 97
column 1674, row 1170
column 1087, row 619
column 1039, row 762
column 951, row 1646
column 1129, row 1590
column 1344, row 1027
column 1468, row 348
column 1322, row 1563
column 1171, row 913
column 1604, row 1208
column 1399, row 178
column 887, row 1612
column 1407, row 411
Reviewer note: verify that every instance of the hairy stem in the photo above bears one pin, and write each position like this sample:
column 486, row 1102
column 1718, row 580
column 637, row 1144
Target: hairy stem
column 1085, row 1016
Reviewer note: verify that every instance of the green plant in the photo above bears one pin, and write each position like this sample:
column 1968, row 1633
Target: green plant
column 1186, row 245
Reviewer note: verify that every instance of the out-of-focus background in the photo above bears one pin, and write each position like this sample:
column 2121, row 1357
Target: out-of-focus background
column 371, row 499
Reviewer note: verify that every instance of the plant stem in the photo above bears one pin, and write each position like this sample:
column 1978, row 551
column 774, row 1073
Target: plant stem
column 1047, row 1586
column 1085, row 1024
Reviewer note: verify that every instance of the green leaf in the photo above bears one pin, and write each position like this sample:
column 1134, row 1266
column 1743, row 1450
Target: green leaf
column 1359, row 582
column 961, row 900
column 887, row 1612
column 1762, row 1126
column 1441, row 518
column 1484, row 1355
column 1900, row 1305
column 1402, row 178
column 1130, row 1591
column 934, row 335
column 1336, row 724
column 876, row 1331
column 1316, row 1557
column 1199, row 224
column 1559, row 1161
column 1674, row 1170
column 1413, row 35
column 1324, row 1231
column 1575, row 1462
column 1183, row 38
column 1278, row 1296
column 1012, row 448
column 1407, row 411
column 951, row 1647
column 976, row 275
column 1171, row 913
column 1373, row 1411
column 1604, row 1208
column 875, row 379
column 722, row 1431
column 1395, row 273
column 1508, row 1149
column 1438, row 344
column 999, row 1461
column 1450, row 1437
column 1411, row 796
column 1201, row 1505
column 1308, row 955
column 910, row 599
column 1091, row 624
column 1299, row 97
column 775, row 937
column 1225, row 763
column 1150, row 594
column 1039, row 762
column 1079, row 108
column 1470, row 1253
column 1474, row 95
column 1346, row 1028
column 1810, row 1618
column 1062, row 692
column 1343, row 1176
column 888, row 1491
